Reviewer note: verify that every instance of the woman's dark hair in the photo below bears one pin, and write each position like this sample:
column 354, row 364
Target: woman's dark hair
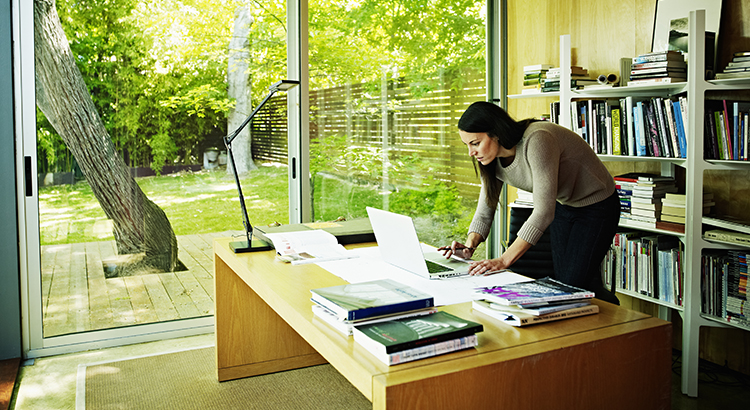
column 485, row 117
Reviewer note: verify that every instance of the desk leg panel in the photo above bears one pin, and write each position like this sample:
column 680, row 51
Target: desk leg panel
column 251, row 339
column 629, row 371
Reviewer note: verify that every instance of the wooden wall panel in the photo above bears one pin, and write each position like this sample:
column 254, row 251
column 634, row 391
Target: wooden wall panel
column 601, row 33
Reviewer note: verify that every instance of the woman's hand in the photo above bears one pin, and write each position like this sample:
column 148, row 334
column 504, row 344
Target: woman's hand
column 487, row 267
column 458, row 249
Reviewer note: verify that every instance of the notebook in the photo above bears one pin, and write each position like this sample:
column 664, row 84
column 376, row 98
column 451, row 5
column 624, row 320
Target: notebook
column 399, row 246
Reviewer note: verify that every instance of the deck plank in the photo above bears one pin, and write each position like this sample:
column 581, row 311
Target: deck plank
column 48, row 260
column 143, row 307
column 198, row 270
column 77, row 297
column 179, row 295
column 163, row 305
column 79, row 289
column 56, row 322
column 100, row 312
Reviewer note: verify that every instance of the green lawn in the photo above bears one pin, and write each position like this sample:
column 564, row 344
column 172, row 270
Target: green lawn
column 200, row 202
column 207, row 201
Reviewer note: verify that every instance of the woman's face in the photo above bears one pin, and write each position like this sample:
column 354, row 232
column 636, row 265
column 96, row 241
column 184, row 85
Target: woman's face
column 481, row 146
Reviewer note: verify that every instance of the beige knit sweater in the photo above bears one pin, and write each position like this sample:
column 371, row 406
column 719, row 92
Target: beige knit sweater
column 555, row 164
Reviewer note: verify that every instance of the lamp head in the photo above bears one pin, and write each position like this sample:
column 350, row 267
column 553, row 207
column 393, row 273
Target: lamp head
column 283, row 85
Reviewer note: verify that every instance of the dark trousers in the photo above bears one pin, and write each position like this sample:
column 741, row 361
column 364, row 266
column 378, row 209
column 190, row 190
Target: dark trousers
column 580, row 238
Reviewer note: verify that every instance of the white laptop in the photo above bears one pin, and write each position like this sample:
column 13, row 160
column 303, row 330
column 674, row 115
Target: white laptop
column 399, row 246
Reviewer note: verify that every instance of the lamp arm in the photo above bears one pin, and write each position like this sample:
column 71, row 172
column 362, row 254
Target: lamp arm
column 228, row 143
column 229, row 138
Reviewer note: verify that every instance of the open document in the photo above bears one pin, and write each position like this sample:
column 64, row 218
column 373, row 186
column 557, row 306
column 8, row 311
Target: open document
column 308, row 247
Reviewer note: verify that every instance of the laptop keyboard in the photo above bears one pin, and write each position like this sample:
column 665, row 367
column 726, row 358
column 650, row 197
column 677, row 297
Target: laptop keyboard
column 433, row 267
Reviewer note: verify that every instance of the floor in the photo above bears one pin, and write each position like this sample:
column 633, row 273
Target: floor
column 78, row 297
column 50, row 382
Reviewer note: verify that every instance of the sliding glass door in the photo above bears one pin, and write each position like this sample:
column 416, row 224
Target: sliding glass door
column 388, row 82
column 127, row 164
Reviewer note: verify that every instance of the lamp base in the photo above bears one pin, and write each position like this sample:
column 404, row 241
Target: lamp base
column 255, row 246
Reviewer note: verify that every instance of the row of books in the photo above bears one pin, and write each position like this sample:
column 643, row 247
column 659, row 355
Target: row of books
column 658, row 67
column 724, row 286
column 739, row 67
column 632, row 126
column 726, row 130
column 648, row 264
column 398, row 324
column 532, row 302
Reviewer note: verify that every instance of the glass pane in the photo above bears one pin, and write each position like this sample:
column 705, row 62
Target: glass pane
column 388, row 82
column 134, row 182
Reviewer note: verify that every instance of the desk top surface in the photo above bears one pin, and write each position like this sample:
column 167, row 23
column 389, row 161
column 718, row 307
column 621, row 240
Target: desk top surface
column 286, row 289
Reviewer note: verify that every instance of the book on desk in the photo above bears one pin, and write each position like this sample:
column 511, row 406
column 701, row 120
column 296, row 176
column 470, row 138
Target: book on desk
column 531, row 302
column 404, row 340
column 537, row 291
column 356, row 301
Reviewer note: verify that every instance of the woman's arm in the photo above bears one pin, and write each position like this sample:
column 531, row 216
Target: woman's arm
column 505, row 261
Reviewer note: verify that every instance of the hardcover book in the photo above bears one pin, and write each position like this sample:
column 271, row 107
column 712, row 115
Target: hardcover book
column 346, row 326
column 535, row 291
column 423, row 352
column 402, row 334
column 524, row 319
column 536, row 310
column 368, row 299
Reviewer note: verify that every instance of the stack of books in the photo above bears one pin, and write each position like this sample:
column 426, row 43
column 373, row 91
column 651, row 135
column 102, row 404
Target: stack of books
column 536, row 301
column 345, row 306
column 739, row 67
column 658, row 67
column 579, row 77
column 641, row 197
column 673, row 210
column 407, row 339
column 534, row 77
column 524, row 199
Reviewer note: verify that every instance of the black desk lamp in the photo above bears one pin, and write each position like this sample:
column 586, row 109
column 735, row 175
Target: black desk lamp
column 251, row 245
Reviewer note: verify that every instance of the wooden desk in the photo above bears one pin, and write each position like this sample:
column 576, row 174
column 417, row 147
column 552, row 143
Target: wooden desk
column 617, row 359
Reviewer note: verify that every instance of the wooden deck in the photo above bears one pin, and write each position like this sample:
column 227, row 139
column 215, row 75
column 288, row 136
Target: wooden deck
column 77, row 297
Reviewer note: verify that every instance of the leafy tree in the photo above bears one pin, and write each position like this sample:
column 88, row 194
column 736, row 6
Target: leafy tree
column 141, row 228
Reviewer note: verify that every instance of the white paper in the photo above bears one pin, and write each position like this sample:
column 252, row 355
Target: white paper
column 370, row 266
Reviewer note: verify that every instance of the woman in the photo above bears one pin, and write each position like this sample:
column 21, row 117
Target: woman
column 574, row 194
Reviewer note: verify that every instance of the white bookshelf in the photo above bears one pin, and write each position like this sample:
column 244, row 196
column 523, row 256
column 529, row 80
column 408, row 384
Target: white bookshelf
column 696, row 87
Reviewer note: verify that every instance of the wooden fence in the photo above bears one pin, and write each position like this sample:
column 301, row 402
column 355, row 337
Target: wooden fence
column 393, row 119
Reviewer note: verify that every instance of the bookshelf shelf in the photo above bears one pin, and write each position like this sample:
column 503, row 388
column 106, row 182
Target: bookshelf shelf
column 726, row 244
column 645, row 90
column 649, row 299
column 696, row 89
column 723, row 322
column 555, row 94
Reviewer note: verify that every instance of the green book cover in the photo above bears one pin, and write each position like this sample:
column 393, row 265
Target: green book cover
column 400, row 334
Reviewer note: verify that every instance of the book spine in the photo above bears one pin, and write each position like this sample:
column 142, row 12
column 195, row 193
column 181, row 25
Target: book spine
column 373, row 311
column 388, row 309
column 565, row 314
column 640, row 130
column 616, row 132
column 431, row 340
column 435, row 349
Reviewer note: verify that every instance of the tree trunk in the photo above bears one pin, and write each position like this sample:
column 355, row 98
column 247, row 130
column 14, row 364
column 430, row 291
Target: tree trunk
column 239, row 88
column 140, row 226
